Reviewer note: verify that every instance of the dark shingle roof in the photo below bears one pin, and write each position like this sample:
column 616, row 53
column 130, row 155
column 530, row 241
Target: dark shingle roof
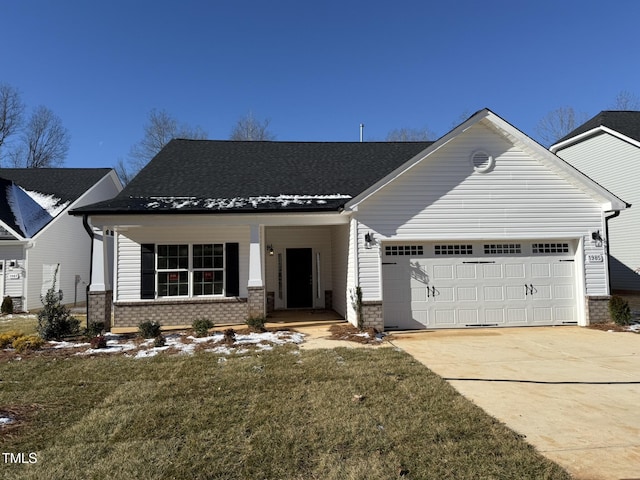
column 229, row 176
column 625, row 122
column 31, row 197
column 67, row 184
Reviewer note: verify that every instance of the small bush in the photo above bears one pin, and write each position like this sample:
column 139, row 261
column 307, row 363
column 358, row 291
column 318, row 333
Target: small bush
column 229, row 336
column 7, row 338
column 24, row 343
column 256, row 324
column 149, row 329
column 55, row 320
column 99, row 341
column 7, row 305
column 94, row 329
column 159, row 341
column 201, row 326
column 619, row 310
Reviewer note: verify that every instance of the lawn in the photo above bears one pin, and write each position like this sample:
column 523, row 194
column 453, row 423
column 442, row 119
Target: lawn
column 371, row 413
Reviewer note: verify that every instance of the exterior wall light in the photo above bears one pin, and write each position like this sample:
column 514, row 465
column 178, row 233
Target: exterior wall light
column 368, row 240
column 270, row 250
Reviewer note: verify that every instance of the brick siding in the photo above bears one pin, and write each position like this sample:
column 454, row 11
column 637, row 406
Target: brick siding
column 180, row 312
column 372, row 315
column 100, row 308
column 597, row 309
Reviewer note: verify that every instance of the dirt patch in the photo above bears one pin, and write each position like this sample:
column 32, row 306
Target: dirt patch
column 610, row 327
column 348, row 332
column 12, row 417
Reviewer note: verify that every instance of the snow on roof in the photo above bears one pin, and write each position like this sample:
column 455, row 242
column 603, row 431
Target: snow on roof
column 52, row 204
column 29, row 216
column 240, row 202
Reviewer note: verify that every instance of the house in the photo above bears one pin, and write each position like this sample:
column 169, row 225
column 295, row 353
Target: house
column 607, row 148
column 39, row 239
column 483, row 227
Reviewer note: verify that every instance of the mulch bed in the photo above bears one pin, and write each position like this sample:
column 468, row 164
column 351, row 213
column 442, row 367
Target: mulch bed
column 353, row 334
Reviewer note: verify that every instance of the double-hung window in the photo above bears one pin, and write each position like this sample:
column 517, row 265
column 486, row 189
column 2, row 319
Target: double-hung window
column 190, row 270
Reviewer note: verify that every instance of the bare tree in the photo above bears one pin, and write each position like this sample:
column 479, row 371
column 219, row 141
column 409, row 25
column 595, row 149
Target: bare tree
column 411, row 135
column 250, row 128
column 11, row 113
column 625, row 100
column 159, row 130
column 557, row 124
column 44, row 141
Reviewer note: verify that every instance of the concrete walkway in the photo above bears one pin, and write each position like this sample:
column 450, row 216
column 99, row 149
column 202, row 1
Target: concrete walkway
column 573, row 392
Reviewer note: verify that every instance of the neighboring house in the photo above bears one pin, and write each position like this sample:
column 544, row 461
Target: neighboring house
column 483, row 227
column 607, row 148
column 39, row 239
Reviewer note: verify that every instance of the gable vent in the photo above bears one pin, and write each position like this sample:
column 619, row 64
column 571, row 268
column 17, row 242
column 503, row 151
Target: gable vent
column 481, row 161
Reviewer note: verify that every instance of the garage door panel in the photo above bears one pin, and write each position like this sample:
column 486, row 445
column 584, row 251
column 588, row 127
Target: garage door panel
column 492, row 271
column 493, row 293
column 454, row 287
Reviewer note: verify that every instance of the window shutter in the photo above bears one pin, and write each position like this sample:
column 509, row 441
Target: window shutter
column 232, row 273
column 148, row 271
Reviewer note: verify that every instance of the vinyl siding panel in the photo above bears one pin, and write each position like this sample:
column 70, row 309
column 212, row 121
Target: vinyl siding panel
column 340, row 267
column 443, row 198
column 128, row 267
column 13, row 287
column 614, row 164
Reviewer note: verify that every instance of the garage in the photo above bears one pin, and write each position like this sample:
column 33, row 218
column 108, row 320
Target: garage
column 479, row 284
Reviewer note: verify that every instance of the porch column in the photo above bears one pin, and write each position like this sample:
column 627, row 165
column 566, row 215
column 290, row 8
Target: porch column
column 255, row 286
column 100, row 295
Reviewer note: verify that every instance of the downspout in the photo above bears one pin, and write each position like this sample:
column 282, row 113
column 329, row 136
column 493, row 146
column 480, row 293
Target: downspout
column 87, row 227
column 606, row 236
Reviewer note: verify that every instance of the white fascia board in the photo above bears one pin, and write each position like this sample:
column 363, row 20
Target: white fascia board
column 213, row 220
column 401, row 170
column 601, row 129
column 19, row 238
column 609, row 201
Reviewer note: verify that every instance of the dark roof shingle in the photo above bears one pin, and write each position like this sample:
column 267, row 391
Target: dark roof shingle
column 231, row 176
column 626, row 122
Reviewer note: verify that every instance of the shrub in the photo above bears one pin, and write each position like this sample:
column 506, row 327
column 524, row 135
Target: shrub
column 159, row 341
column 7, row 305
column 201, row 326
column 94, row 329
column 229, row 336
column 619, row 310
column 55, row 320
column 149, row 329
column 7, row 338
column 99, row 341
column 24, row 343
column 256, row 324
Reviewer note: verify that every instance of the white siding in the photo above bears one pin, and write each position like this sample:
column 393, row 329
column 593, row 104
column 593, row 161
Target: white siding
column 128, row 248
column 443, row 198
column 65, row 241
column 339, row 267
column 614, row 164
column 14, row 287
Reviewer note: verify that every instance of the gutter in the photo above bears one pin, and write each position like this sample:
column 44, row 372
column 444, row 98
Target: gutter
column 614, row 214
column 89, row 230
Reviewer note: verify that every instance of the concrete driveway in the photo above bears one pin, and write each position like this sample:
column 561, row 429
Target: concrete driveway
column 573, row 392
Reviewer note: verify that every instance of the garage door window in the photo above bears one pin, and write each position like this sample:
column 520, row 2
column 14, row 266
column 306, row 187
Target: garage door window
column 502, row 248
column 544, row 248
column 412, row 250
column 453, row 249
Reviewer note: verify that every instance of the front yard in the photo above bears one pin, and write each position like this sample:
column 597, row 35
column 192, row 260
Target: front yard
column 371, row 413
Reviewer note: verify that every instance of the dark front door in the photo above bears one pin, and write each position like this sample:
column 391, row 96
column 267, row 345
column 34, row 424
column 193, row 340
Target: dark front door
column 299, row 278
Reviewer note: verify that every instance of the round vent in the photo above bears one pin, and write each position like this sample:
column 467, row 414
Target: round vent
column 482, row 162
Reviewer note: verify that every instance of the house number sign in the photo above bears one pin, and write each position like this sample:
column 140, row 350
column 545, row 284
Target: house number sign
column 595, row 258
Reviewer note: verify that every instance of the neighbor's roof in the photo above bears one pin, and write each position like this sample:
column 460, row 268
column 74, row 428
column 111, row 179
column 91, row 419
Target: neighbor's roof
column 214, row 176
column 31, row 197
column 625, row 122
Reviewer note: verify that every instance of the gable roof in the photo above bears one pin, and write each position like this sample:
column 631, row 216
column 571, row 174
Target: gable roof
column 610, row 201
column 215, row 176
column 624, row 122
column 31, row 197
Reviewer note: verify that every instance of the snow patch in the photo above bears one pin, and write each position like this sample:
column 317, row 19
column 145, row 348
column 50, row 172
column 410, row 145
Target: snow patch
column 240, row 202
column 6, row 420
column 50, row 203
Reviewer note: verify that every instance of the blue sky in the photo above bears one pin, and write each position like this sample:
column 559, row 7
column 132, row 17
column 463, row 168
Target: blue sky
column 315, row 69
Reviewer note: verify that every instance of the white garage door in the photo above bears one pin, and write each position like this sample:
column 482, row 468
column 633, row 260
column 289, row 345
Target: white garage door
column 447, row 285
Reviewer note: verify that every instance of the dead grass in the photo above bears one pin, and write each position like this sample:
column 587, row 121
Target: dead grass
column 346, row 331
column 286, row 413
